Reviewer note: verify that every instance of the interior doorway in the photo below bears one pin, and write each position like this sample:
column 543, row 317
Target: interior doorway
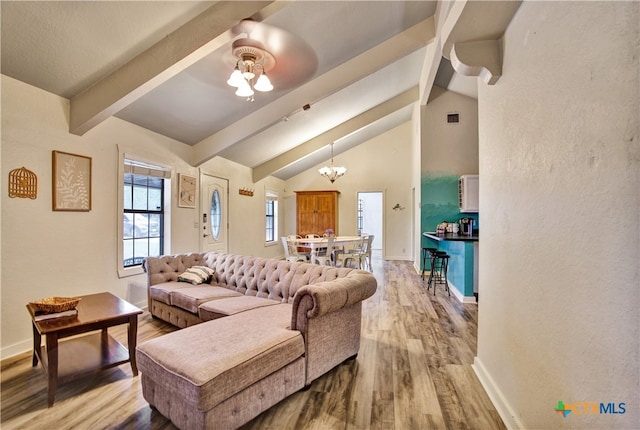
column 370, row 219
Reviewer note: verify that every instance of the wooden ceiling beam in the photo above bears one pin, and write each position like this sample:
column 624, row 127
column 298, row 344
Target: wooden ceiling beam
column 168, row 57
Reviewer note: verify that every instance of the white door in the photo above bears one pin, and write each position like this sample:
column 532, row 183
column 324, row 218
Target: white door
column 214, row 224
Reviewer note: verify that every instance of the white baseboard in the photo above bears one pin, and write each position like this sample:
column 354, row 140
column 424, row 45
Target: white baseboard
column 457, row 294
column 461, row 298
column 16, row 349
column 497, row 398
column 27, row 345
column 398, row 258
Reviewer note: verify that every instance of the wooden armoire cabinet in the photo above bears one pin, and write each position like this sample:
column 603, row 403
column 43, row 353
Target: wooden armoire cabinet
column 316, row 211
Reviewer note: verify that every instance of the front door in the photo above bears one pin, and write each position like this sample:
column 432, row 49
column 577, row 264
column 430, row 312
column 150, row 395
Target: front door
column 214, row 225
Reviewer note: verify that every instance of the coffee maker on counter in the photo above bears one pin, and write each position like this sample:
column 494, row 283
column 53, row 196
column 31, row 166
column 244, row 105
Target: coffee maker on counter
column 466, row 226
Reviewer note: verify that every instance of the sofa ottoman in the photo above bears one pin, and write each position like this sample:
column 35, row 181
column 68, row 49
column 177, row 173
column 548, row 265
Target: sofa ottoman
column 220, row 374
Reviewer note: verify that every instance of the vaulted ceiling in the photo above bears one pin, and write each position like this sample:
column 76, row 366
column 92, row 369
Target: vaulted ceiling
column 355, row 65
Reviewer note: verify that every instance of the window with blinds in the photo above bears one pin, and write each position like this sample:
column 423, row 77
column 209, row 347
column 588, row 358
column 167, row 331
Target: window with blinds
column 271, row 216
column 143, row 211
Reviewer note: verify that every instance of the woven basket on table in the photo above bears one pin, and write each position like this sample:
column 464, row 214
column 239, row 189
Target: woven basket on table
column 55, row 304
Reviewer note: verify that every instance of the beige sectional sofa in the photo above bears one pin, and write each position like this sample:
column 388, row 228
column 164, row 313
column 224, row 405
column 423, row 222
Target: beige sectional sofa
column 258, row 331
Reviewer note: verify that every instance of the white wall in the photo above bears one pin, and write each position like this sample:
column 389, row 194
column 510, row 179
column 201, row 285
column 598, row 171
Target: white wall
column 381, row 164
column 47, row 253
column 449, row 148
column 560, row 200
column 416, row 169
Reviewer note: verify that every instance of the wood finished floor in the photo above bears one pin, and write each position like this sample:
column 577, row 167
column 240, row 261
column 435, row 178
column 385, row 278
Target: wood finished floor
column 413, row 372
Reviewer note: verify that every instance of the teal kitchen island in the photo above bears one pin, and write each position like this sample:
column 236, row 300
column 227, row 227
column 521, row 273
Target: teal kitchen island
column 463, row 262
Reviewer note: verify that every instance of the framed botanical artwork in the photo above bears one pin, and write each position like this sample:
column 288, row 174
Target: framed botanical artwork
column 71, row 182
column 186, row 191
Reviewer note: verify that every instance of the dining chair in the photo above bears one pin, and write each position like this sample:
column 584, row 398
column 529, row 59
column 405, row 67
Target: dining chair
column 354, row 255
column 312, row 236
column 323, row 256
column 367, row 257
column 292, row 252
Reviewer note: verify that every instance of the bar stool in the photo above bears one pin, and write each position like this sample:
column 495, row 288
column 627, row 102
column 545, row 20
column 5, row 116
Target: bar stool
column 438, row 274
column 426, row 251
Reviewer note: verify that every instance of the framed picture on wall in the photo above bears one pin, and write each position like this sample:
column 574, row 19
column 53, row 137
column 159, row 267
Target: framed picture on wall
column 186, row 191
column 71, row 182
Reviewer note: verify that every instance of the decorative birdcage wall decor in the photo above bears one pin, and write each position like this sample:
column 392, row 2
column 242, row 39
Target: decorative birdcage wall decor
column 23, row 183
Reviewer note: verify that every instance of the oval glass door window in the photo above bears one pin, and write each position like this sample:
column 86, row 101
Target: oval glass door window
column 216, row 215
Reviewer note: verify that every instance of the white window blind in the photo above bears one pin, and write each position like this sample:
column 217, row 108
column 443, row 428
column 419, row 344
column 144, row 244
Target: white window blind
column 140, row 168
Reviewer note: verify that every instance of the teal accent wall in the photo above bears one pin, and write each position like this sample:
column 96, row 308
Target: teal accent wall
column 439, row 202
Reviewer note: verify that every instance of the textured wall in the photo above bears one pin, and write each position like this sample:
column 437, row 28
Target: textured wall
column 559, row 198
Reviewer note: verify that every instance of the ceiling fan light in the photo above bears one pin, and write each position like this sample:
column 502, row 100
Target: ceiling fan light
column 247, row 71
column 244, row 90
column 263, row 83
column 235, row 80
column 252, row 59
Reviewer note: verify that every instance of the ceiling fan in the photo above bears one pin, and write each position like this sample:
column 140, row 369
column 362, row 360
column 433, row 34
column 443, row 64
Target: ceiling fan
column 267, row 57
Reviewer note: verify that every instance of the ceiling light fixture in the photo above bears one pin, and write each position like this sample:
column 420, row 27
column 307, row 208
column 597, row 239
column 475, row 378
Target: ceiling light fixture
column 250, row 72
column 332, row 172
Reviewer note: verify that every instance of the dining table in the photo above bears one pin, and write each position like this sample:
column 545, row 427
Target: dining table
column 316, row 243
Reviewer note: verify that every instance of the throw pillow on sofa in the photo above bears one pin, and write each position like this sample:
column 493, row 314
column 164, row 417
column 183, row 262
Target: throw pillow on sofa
column 196, row 275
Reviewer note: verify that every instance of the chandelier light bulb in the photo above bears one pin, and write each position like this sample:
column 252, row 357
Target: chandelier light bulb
column 340, row 170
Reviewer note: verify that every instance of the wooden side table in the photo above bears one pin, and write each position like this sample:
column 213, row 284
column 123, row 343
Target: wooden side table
column 63, row 361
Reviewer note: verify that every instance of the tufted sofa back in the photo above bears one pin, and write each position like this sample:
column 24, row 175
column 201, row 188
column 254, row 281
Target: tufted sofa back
column 254, row 276
column 166, row 268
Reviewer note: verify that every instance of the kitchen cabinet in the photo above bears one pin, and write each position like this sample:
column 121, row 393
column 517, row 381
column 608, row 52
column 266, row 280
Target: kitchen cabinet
column 316, row 211
column 468, row 193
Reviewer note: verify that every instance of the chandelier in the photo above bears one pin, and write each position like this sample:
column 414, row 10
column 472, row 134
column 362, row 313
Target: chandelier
column 250, row 71
column 332, row 172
